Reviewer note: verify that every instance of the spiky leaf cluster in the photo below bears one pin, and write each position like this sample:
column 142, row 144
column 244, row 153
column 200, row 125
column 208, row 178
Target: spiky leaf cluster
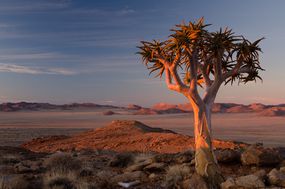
column 216, row 54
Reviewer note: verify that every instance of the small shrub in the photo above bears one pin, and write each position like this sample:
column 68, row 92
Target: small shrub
column 17, row 182
column 59, row 180
column 61, row 183
column 9, row 159
column 175, row 175
column 63, row 163
column 122, row 160
column 3, row 183
column 103, row 180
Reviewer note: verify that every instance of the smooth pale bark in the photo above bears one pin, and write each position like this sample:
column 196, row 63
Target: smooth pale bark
column 205, row 161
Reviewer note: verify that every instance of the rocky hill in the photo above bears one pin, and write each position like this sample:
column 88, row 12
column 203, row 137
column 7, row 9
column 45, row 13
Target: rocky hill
column 123, row 136
column 159, row 108
column 33, row 106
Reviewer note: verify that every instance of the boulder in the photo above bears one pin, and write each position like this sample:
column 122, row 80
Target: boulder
column 155, row 167
column 138, row 166
column 227, row 156
column 257, row 155
column 261, row 174
column 276, row 178
column 228, row 184
column 247, row 182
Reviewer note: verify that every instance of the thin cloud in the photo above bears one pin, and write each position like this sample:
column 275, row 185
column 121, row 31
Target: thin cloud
column 34, row 6
column 31, row 56
column 102, row 12
column 12, row 68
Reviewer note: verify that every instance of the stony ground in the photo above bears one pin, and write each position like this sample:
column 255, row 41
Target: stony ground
column 113, row 157
column 253, row 167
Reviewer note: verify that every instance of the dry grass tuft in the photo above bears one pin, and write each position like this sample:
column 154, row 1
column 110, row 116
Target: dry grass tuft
column 17, row 182
column 63, row 163
column 175, row 175
column 104, row 180
column 122, row 160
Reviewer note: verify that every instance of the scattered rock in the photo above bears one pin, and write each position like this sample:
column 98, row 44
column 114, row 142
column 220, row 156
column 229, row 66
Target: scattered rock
column 129, row 184
column 229, row 184
column 108, row 113
column 248, row 182
column 152, row 176
column 257, row 155
column 155, row 167
column 129, row 176
column 138, row 166
column 276, row 177
column 184, row 157
column 282, row 169
column 261, row 174
column 196, row 182
column 164, row 158
column 227, row 156
column 33, row 165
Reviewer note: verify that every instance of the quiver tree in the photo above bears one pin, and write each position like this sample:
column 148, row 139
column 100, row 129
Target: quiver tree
column 194, row 57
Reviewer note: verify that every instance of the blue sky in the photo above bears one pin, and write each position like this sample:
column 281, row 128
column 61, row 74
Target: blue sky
column 64, row 51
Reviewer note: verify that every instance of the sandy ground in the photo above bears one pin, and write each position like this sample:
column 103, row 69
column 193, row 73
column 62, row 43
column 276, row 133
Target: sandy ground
column 17, row 127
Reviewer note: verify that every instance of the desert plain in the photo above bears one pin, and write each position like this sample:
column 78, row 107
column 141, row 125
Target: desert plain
column 18, row 127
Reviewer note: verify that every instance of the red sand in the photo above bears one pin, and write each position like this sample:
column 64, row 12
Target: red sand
column 123, row 136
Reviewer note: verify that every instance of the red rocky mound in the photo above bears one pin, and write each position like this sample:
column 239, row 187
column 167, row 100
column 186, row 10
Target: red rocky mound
column 123, row 136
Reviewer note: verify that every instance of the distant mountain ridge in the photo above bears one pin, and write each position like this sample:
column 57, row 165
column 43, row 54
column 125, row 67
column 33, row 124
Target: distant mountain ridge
column 34, row 106
column 159, row 108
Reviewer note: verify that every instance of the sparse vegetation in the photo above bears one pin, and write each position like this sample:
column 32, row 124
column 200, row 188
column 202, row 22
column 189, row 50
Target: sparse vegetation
column 63, row 163
column 122, row 160
column 16, row 182
column 104, row 180
column 175, row 175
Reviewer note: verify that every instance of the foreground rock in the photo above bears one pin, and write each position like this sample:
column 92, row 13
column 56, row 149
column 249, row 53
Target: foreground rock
column 124, row 135
column 276, row 177
column 248, row 181
column 228, row 156
column 257, row 155
column 107, row 169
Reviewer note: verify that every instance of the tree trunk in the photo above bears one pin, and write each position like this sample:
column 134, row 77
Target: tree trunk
column 205, row 160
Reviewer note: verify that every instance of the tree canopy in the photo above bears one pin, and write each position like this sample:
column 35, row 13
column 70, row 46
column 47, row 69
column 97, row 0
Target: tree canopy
column 193, row 56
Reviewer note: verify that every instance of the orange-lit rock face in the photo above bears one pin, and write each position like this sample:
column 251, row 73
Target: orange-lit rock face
column 123, row 136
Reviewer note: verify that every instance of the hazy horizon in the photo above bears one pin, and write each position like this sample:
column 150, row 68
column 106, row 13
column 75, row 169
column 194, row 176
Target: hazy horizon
column 64, row 51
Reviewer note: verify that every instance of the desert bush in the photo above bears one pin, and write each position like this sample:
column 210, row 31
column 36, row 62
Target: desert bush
column 62, row 163
column 175, row 175
column 103, row 180
column 122, row 160
column 17, row 182
column 9, row 159
column 59, row 180
column 61, row 183
column 3, row 183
